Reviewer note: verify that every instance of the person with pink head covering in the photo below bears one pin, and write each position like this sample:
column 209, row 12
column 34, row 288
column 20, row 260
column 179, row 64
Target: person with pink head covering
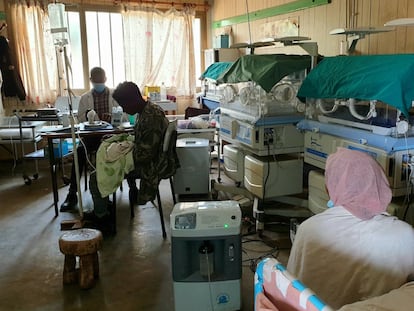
column 354, row 250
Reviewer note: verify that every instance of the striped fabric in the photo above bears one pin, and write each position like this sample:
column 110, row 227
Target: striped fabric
column 273, row 281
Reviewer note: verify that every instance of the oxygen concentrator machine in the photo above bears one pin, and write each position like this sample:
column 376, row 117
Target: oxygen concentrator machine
column 206, row 256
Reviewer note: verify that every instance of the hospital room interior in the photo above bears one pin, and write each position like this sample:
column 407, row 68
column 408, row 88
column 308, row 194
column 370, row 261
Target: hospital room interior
column 209, row 155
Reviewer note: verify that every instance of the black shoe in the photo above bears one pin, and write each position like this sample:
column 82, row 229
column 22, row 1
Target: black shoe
column 70, row 202
column 106, row 226
column 90, row 217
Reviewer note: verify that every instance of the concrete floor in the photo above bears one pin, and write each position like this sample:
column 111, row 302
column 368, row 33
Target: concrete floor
column 135, row 264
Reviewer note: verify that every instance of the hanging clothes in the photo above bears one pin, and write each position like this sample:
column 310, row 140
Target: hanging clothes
column 12, row 82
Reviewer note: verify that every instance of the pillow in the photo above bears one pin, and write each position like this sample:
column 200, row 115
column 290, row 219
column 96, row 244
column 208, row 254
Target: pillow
column 14, row 133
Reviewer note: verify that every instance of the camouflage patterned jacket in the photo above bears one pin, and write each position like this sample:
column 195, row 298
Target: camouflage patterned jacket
column 151, row 164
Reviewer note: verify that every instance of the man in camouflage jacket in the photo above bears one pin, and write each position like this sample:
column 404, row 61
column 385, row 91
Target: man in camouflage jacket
column 151, row 163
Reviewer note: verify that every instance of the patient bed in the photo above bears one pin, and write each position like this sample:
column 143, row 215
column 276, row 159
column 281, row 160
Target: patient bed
column 10, row 133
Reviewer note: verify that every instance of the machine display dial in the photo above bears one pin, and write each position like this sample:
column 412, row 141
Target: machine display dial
column 186, row 221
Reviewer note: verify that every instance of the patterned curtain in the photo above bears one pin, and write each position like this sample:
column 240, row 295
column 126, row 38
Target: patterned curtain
column 159, row 48
column 35, row 52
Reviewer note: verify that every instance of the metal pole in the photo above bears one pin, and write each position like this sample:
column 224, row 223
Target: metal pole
column 72, row 127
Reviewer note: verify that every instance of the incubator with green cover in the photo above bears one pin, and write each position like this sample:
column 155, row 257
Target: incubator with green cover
column 259, row 107
column 362, row 103
column 371, row 92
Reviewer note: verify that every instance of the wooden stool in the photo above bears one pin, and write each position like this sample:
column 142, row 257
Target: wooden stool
column 85, row 244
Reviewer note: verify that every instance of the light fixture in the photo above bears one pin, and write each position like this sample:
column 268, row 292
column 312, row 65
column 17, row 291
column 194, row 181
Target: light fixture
column 354, row 34
column 310, row 47
column 400, row 22
column 251, row 46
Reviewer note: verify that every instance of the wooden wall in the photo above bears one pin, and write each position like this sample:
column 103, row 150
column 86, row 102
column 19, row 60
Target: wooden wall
column 316, row 23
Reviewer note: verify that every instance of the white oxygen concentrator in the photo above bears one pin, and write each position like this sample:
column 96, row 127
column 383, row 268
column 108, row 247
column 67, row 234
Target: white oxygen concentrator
column 206, row 256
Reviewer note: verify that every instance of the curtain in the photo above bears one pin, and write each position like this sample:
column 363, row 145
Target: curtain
column 159, row 48
column 35, row 52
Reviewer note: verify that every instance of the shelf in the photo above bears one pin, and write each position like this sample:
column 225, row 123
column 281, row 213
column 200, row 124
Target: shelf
column 39, row 154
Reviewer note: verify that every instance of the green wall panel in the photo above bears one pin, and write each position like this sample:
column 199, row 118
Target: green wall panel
column 269, row 12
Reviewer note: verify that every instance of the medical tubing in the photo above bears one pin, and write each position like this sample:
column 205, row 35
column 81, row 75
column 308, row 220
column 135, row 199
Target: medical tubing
column 268, row 172
column 209, row 278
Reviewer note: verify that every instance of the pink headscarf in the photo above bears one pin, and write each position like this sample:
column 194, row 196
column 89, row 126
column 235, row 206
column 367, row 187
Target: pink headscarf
column 357, row 182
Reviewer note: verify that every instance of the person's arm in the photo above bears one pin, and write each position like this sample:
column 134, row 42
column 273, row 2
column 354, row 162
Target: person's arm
column 148, row 138
column 83, row 108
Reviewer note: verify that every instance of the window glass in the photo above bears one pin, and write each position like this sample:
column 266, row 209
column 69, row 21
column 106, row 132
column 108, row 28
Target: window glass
column 75, row 53
column 117, row 40
column 105, row 47
column 105, row 44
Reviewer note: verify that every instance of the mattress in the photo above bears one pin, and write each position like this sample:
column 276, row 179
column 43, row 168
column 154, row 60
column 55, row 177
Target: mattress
column 9, row 128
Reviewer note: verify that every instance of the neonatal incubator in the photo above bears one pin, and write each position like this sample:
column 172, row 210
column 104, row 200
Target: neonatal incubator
column 259, row 111
column 259, row 108
column 362, row 103
column 206, row 255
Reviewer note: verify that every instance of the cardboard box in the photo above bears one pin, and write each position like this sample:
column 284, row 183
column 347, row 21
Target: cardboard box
column 222, row 41
column 151, row 89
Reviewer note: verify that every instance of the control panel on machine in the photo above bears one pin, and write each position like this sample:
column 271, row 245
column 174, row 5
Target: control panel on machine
column 207, row 216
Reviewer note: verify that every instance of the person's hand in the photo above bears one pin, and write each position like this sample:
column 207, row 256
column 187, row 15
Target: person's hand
column 106, row 117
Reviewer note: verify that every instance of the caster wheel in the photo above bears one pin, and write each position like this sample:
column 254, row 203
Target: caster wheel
column 212, row 182
column 35, row 176
column 214, row 194
column 27, row 180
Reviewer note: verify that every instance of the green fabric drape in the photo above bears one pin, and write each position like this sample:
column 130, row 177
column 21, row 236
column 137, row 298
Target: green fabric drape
column 387, row 78
column 215, row 70
column 265, row 70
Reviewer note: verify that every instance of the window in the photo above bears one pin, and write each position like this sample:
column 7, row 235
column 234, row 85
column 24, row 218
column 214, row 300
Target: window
column 105, row 44
column 76, row 50
column 105, row 48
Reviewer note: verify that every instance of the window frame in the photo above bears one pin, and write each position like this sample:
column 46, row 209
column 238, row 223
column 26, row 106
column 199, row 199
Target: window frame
column 81, row 9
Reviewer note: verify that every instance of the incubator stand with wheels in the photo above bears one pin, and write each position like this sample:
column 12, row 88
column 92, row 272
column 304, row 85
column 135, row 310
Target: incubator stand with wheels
column 206, row 256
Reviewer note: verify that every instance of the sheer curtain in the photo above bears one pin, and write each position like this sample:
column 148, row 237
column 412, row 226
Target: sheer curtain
column 35, row 53
column 159, row 48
